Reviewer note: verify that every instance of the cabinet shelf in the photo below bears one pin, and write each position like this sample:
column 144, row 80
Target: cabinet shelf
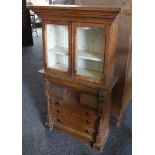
column 59, row 50
column 81, row 53
column 89, row 73
column 59, row 66
column 90, row 55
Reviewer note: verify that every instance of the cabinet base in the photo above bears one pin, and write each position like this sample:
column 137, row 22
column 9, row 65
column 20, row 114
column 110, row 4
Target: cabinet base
column 76, row 135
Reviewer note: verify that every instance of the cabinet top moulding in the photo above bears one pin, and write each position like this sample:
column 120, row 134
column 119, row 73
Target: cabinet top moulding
column 96, row 14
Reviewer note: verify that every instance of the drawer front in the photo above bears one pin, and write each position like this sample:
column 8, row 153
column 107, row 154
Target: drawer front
column 89, row 101
column 75, row 117
column 74, row 96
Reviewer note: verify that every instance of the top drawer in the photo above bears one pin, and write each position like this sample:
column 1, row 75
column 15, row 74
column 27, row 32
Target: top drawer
column 73, row 96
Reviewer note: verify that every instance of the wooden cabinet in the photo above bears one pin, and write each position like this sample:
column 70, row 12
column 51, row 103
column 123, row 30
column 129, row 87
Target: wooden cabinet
column 79, row 52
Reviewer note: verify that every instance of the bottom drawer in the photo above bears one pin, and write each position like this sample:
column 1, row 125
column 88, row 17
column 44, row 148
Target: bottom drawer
column 77, row 119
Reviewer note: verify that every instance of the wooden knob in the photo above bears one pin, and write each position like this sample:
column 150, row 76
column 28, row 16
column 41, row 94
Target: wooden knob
column 87, row 131
column 87, row 121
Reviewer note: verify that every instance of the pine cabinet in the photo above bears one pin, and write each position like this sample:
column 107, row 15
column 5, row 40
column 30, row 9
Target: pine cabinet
column 79, row 52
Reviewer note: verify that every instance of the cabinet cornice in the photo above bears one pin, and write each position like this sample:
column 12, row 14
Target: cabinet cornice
column 73, row 13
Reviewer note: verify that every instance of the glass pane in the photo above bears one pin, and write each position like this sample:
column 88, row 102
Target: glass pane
column 57, row 47
column 90, row 52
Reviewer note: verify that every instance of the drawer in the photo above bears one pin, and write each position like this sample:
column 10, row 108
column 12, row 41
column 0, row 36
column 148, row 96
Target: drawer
column 75, row 117
column 72, row 95
column 89, row 101
column 57, row 91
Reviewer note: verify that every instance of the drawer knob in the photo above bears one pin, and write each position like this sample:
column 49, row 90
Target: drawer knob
column 58, row 120
column 88, row 113
column 57, row 102
column 58, row 111
column 87, row 121
column 87, row 131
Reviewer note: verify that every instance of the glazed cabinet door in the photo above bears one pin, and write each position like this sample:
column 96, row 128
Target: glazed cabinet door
column 89, row 52
column 57, row 47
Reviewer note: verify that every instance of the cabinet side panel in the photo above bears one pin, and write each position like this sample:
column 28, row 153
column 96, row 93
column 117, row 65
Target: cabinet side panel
column 123, row 47
column 112, row 50
column 127, row 95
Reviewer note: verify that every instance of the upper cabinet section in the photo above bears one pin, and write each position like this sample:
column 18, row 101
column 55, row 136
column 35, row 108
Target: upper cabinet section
column 57, row 47
column 79, row 41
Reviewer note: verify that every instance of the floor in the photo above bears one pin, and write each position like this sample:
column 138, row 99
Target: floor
column 37, row 140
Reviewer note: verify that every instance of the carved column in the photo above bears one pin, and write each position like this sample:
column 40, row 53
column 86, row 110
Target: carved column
column 103, row 125
column 49, row 122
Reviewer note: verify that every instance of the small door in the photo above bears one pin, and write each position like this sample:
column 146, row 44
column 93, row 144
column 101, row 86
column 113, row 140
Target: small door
column 89, row 51
column 57, row 46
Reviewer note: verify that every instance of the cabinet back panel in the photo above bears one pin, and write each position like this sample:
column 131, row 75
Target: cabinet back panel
column 57, row 59
column 90, row 39
column 57, row 35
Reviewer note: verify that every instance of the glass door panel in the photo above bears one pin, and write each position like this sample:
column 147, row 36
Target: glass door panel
column 90, row 52
column 57, row 47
